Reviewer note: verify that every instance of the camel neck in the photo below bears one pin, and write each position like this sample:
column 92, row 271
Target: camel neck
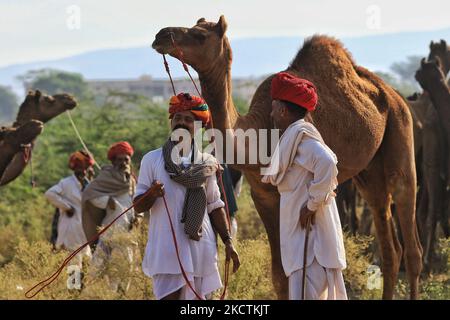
column 440, row 96
column 217, row 91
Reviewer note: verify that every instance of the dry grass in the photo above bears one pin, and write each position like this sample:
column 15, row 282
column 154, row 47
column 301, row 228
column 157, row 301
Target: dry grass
column 27, row 260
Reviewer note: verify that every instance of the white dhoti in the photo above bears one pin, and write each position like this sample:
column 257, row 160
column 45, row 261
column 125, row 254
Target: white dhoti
column 321, row 283
column 165, row 284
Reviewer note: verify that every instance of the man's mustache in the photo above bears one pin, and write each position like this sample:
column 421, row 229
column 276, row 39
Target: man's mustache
column 180, row 126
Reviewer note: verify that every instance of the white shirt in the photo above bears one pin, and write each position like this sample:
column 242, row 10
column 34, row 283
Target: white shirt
column 307, row 182
column 66, row 195
column 199, row 258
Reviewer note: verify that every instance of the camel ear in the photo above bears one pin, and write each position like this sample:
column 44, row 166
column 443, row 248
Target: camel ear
column 37, row 96
column 431, row 44
column 201, row 20
column 221, row 26
column 443, row 44
column 422, row 62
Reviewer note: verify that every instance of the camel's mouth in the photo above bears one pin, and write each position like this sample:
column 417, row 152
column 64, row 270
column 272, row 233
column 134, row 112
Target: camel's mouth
column 163, row 40
column 71, row 104
column 162, row 47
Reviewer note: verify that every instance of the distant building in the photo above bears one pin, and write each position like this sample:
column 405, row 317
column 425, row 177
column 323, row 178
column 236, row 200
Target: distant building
column 159, row 90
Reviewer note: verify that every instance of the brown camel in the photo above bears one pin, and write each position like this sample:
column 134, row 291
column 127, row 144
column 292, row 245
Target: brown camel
column 364, row 121
column 37, row 106
column 12, row 140
column 430, row 146
column 432, row 79
column 435, row 150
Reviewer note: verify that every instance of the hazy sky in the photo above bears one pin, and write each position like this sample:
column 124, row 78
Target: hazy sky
column 32, row 30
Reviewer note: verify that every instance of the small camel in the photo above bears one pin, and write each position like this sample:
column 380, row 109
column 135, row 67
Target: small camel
column 36, row 106
column 363, row 120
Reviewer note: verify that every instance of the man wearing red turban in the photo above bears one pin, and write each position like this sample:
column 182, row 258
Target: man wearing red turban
column 80, row 160
column 306, row 194
column 106, row 197
column 67, row 230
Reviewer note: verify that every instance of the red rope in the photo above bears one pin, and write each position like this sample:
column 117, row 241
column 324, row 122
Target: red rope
column 46, row 282
column 166, row 65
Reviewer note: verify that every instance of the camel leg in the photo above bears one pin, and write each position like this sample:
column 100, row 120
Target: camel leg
column 422, row 213
column 435, row 192
column 445, row 216
column 400, row 175
column 267, row 202
column 340, row 203
column 372, row 186
column 353, row 218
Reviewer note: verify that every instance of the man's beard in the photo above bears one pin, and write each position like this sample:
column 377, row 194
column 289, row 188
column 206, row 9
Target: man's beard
column 125, row 168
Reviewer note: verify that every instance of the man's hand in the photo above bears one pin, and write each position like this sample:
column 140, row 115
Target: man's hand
column 157, row 189
column 111, row 203
column 306, row 214
column 145, row 201
column 232, row 254
column 70, row 212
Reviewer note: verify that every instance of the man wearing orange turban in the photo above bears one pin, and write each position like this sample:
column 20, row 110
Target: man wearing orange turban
column 186, row 102
column 67, row 230
column 188, row 179
column 306, row 194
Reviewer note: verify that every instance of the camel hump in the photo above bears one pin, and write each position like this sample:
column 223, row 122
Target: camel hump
column 320, row 47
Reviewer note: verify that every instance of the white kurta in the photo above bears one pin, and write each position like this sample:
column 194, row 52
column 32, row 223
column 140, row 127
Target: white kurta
column 66, row 195
column 308, row 180
column 199, row 258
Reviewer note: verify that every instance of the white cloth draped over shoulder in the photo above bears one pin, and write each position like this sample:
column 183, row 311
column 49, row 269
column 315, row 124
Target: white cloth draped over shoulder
column 304, row 170
column 199, row 258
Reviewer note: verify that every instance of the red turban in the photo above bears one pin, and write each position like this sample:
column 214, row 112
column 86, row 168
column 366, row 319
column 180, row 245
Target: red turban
column 288, row 87
column 80, row 160
column 194, row 104
column 119, row 148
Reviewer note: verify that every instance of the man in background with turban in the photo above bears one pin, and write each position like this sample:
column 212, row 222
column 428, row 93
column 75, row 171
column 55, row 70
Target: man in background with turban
column 105, row 198
column 188, row 181
column 304, row 170
column 66, row 197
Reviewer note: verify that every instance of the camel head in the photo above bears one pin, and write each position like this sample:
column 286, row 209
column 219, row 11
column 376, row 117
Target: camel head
column 429, row 73
column 441, row 50
column 43, row 107
column 201, row 45
column 25, row 134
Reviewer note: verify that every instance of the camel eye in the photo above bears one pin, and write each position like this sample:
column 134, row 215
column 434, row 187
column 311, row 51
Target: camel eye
column 201, row 36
